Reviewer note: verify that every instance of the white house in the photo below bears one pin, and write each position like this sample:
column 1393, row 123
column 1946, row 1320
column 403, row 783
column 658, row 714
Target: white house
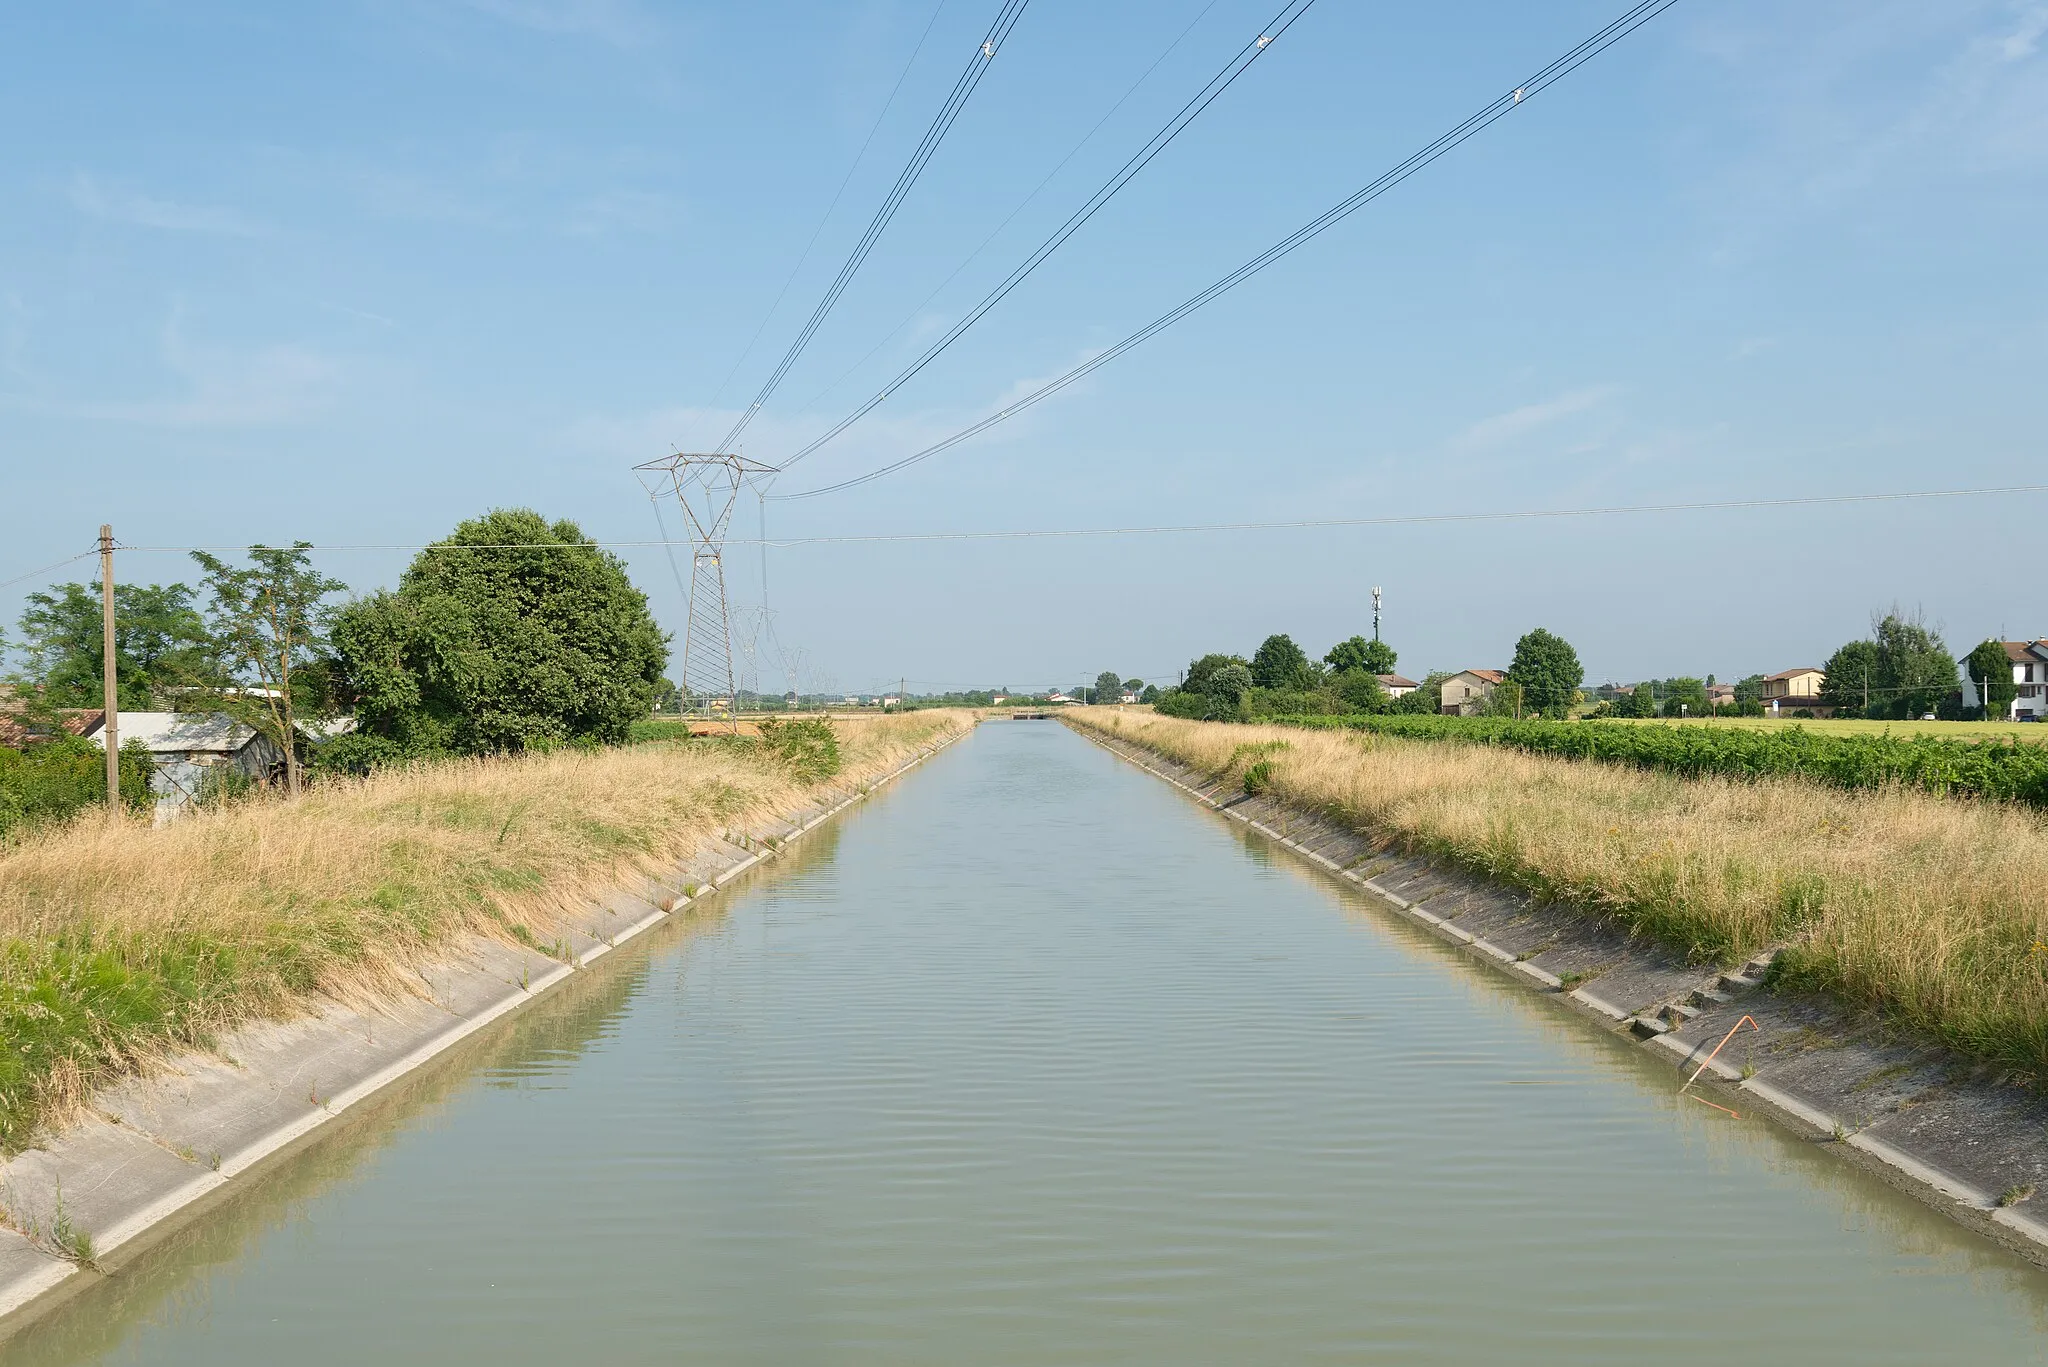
column 1395, row 685
column 1127, row 696
column 2029, row 661
column 1467, row 691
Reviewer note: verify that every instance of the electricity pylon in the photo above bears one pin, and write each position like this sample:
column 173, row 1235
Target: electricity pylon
column 706, row 486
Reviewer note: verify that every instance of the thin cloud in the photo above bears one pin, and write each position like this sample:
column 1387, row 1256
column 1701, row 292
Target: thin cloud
column 114, row 205
column 1519, row 422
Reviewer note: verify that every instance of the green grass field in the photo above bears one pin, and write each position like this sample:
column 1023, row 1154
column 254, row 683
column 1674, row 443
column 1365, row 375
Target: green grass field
column 1844, row 726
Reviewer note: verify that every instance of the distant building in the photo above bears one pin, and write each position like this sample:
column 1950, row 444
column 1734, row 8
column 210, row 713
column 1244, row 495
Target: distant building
column 1127, row 696
column 2029, row 660
column 1395, row 685
column 892, row 701
column 1057, row 697
column 1795, row 690
column 1720, row 694
column 999, row 699
column 1465, row 692
column 187, row 749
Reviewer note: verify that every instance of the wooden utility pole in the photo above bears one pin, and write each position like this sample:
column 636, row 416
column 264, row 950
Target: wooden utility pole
column 110, row 727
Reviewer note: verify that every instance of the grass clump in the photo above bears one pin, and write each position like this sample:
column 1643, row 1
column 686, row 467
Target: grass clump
column 1924, row 906
column 120, row 943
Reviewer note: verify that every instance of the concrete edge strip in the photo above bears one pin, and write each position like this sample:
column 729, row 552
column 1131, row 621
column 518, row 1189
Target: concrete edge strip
column 26, row 1289
column 1926, row 1180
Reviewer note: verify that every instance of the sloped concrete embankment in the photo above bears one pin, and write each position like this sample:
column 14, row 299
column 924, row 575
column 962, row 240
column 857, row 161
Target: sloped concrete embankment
column 154, row 1147
column 1949, row 1131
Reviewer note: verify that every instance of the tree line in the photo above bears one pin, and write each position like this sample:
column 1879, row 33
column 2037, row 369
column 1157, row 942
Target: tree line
column 512, row 633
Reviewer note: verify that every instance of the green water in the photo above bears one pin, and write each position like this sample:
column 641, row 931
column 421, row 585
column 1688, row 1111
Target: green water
column 1032, row 1061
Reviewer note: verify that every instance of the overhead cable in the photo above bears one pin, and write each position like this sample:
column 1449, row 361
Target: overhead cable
column 1139, row 160
column 837, row 195
column 956, row 100
column 1022, row 204
column 1485, row 116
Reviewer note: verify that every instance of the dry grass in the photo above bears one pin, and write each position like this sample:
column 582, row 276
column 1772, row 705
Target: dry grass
column 118, row 941
column 1931, row 908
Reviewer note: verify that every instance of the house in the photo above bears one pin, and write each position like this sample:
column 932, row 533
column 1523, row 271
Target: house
column 187, row 749
column 1795, row 690
column 1395, row 685
column 892, row 701
column 999, row 699
column 1127, row 696
column 1720, row 695
column 18, row 731
column 1465, row 692
column 2029, row 680
column 1057, row 696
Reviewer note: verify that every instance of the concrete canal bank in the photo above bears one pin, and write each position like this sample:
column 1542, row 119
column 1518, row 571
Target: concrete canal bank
column 154, row 1151
column 1951, row 1132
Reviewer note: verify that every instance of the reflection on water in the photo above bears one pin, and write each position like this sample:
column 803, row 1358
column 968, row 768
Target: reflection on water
column 1040, row 1064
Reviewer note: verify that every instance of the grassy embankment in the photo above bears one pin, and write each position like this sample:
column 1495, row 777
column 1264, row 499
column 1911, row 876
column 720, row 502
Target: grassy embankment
column 1928, row 907
column 120, row 943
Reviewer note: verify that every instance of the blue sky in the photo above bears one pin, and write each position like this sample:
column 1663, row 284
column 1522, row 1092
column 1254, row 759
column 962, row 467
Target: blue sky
column 353, row 272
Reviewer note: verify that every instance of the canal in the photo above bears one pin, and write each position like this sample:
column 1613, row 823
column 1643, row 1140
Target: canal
column 1030, row 1060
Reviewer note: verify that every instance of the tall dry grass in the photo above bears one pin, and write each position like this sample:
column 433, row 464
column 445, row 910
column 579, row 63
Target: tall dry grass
column 119, row 941
column 1934, row 909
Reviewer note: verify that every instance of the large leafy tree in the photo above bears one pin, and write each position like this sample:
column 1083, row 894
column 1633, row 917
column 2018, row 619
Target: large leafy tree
column 1202, row 673
column 1374, row 657
column 1109, row 686
column 269, row 620
column 1991, row 669
column 1548, row 670
column 159, row 643
column 513, row 633
column 1855, row 677
column 1919, row 673
column 1280, row 663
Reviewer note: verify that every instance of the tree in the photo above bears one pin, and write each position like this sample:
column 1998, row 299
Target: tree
column 1231, row 682
column 1508, row 699
column 1854, row 678
column 1641, row 703
column 1685, row 697
column 159, row 643
column 269, row 622
column 1134, row 685
column 1280, row 663
column 1990, row 668
column 1361, row 690
column 1374, row 657
column 1548, row 670
column 1108, row 687
column 1202, row 671
column 1749, row 690
column 1151, row 693
column 1918, row 671
column 513, row 633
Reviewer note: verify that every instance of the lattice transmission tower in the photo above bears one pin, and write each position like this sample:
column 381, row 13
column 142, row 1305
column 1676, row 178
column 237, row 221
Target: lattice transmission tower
column 706, row 487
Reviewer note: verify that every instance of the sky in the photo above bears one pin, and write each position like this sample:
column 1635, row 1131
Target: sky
column 351, row 273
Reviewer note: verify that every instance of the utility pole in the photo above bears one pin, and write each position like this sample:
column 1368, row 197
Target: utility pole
column 1375, row 612
column 110, row 700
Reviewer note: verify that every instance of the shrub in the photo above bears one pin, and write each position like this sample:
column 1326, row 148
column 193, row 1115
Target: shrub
column 806, row 746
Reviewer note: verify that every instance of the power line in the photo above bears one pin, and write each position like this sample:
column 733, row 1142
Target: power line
column 1185, row 528
column 55, row 565
column 1238, row 64
column 956, row 100
column 1022, row 205
column 837, row 195
column 1484, row 117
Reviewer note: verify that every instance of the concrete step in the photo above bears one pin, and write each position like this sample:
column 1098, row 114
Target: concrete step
column 1647, row 1027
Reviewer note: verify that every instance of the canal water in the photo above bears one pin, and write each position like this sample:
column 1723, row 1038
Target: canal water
column 1030, row 1060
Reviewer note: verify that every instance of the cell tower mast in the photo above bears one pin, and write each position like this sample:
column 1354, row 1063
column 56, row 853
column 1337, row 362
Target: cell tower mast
column 706, row 486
